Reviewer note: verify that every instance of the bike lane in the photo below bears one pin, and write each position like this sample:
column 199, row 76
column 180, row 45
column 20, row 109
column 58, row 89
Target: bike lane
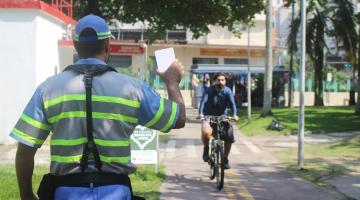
column 255, row 174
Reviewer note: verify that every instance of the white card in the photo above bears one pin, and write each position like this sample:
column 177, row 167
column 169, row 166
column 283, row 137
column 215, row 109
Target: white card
column 164, row 58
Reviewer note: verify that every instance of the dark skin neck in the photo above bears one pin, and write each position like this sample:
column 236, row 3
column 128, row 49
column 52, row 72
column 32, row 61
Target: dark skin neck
column 104, row 55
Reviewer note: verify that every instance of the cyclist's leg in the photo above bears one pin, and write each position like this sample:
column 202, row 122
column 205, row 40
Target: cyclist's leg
column 206, row 132
column 228, row 140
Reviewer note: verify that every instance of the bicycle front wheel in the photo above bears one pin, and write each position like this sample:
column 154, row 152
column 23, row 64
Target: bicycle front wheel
column 219, row 159
column 212, row 161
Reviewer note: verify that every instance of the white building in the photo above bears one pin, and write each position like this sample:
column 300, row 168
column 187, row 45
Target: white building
column 29, row 35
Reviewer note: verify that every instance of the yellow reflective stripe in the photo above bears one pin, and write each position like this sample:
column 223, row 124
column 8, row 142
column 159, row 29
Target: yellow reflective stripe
column 157, row 115
column 112, row 143
column 76, row 158
column 68, row 142
column 97, row 115
column 104, row 33
column 26, row 137
column 115, row 117
column 83, row 140
column 65, row 159
column 69, row 97
column 109, row 99
column 107, row 159
column 34, row 122
column 172, row 117
column 67, row 115
column 82, row 97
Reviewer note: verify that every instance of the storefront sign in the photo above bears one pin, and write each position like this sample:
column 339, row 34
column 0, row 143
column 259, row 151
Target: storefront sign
column 231, row 52
column 126, row 49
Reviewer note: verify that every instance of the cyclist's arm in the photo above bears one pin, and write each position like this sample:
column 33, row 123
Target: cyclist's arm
column 204, row 99
column 232, row 102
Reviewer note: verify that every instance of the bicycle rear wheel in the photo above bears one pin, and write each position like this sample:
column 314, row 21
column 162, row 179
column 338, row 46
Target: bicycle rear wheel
column 219, row 159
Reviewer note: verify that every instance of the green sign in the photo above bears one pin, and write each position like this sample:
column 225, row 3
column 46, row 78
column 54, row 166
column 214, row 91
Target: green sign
column 144, row 146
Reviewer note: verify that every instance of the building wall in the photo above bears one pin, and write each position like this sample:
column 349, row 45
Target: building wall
column 29, row 54
column 330, row 98
column 48, row 32
column 17, row 71
column 66, row 56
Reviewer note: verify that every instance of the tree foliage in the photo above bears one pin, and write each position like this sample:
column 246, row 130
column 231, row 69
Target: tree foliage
column 162, row 15
column 333, row 18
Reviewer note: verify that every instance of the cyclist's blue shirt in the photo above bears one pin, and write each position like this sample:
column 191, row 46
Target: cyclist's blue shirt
column 215, row 103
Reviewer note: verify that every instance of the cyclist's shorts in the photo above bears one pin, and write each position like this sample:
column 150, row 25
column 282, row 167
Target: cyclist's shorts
column 229, row 132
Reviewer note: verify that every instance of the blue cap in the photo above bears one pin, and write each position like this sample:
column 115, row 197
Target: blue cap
column 94, row 22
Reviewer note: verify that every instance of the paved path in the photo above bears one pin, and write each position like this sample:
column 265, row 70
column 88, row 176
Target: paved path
column 255, row 174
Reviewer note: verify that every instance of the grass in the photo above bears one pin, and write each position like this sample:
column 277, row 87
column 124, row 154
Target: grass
column 9, row 188
column 145, row 182
column 325, row 161
column 164, row 137
column 317, row 120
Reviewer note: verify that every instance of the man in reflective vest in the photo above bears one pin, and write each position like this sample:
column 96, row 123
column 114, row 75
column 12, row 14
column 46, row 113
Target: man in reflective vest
column 118, row 103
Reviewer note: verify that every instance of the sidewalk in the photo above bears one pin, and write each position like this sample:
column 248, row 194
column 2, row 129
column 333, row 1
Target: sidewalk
column 348, row 185
column 255, row 173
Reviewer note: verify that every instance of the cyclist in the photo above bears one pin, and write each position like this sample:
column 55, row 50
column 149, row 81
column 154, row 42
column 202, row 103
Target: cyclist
column 214, row 102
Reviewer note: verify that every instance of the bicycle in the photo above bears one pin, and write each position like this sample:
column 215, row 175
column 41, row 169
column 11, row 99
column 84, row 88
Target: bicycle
column 217, row 157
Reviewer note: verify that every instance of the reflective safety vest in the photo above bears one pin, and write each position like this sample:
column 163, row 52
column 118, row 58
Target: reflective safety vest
column 119, row 103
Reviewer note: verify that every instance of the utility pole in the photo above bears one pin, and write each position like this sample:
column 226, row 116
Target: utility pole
column 249, row 78
column 301, row 117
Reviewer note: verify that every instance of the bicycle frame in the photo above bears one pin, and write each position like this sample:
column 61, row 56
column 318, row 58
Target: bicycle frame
column 217, row 149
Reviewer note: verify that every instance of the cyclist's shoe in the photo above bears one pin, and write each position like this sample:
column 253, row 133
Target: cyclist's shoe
column 226, row 163
column 206, row 157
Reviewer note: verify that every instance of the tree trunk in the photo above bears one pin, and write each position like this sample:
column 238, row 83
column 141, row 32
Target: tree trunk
column 357, row 106
column 319, row 63
column 266, row 110
column 352, row 88
column 352, row 96
column 357, row 67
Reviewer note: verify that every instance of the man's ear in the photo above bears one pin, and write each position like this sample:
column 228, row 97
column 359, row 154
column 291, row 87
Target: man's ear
column 107, row 46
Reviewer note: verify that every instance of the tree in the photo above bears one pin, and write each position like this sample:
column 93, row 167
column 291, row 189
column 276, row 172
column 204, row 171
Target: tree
column 333, row 18
column 160, row 15
column 317, row 28
column 357, row 106
column 344, row 21
column 266, row 110
column 292, row 48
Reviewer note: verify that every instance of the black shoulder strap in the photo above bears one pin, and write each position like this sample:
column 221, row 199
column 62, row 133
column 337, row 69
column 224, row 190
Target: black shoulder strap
column 89, row 72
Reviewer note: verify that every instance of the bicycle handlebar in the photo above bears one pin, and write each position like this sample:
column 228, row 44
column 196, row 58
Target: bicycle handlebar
column 218, row 118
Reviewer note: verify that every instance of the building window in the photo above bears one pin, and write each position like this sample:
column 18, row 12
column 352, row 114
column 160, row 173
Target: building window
column 236, row 61
column 205, row 61
column 120, row 61
column 176, row 35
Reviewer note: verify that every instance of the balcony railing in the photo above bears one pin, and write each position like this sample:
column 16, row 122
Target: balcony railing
column 140, row 35
column 64, row 6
